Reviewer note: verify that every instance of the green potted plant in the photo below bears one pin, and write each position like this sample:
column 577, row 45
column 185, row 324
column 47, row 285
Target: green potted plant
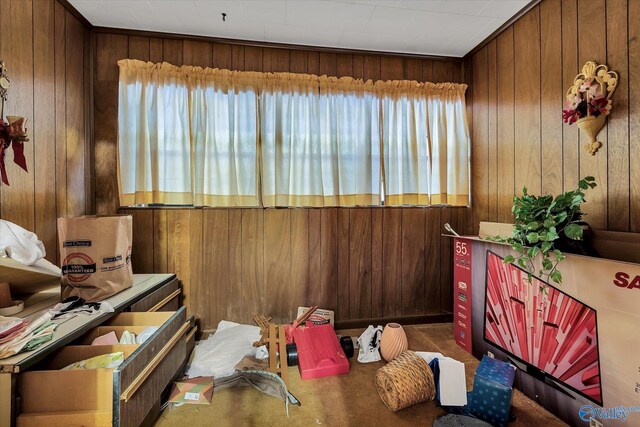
column 546, row 226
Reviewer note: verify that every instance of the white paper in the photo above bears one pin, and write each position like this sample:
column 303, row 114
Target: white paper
column 191, row 396
column 453, row 384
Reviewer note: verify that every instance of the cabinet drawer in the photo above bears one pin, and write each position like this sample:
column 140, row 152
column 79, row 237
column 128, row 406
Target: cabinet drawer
column 96, row 397
column 167, row 298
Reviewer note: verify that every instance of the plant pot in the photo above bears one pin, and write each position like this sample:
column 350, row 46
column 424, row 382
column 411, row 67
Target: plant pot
column 591, row 126
column 393, row 342
column 577, row 247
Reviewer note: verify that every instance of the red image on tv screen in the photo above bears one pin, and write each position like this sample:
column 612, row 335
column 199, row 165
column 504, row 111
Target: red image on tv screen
column 543, row 327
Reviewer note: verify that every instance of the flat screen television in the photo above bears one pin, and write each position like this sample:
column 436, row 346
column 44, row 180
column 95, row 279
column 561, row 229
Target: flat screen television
column 553, row 334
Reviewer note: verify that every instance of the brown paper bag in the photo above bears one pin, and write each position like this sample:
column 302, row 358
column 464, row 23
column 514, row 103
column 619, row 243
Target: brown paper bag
column 95, row 253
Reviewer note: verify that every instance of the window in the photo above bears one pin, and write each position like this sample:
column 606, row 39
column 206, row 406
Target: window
column 189, row 135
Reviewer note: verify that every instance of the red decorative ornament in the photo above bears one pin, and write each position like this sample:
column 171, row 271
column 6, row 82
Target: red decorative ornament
column 13, row 135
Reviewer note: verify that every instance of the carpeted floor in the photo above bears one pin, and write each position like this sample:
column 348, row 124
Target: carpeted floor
column 348, row 400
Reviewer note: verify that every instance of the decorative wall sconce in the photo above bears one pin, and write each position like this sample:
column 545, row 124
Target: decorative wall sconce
column 12, row 133
column 589, row 101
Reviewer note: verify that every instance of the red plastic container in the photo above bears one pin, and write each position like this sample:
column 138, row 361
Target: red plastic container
column 319, row 352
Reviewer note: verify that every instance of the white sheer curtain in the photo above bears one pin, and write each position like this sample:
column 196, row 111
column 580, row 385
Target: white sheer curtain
column 290, row 141
column 449, row 144
column 426, row 143
column 224, row 138
column 350, row 134
column 153, row 116
column 187, row 135
column 406, row 153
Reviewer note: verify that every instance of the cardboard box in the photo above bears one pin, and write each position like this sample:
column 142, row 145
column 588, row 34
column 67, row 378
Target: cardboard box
column 319, row 317
column 490, row 399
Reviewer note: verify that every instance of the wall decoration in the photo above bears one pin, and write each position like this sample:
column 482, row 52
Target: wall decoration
column 589, row 101
column 12, row 133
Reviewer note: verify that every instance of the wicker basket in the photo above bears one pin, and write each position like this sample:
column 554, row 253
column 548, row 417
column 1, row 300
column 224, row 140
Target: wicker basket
column 405, row 381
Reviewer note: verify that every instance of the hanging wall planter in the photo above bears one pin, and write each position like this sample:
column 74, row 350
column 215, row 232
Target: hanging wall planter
column 589, row 101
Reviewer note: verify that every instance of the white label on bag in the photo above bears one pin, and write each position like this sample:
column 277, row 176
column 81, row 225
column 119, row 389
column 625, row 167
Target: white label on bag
column 191, row 396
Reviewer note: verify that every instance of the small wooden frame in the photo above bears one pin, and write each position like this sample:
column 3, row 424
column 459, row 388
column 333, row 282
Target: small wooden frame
column 273, row 336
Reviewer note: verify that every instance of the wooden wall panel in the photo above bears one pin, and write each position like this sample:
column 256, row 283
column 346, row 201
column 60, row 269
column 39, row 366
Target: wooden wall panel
column 391, row 67
column 197, row 53
column 17, row 47
column 213, row 289
column 77, row 146
column 344, row 65
column 298, row 61
column 275, row 60
column 377, row 244
column 221, row 55
column 326, row 294
column 527, row 102
column 618, row 123
column 551, row 96
column 363, row 263
column 252, row 58
column 414, row 298
column 110, row 48
column 178, row 224
column 172, row 51
column 155, row 50
column 234, row 302
column 433, row 257
column 391, row 262
column 328, row 64
column 43, row 47
column 343, row 259
column 492, row 149
column 138, row 48
column 480, row 139
column 413, row 69
column 277, row 260
column 299, row 280
column 506, row 126
column 253, row 290
column 61, row 109
column 360, row 264
column 570, row 67
column 537, row 59
column 43, row 132
column 592, row 46
column 634, row 114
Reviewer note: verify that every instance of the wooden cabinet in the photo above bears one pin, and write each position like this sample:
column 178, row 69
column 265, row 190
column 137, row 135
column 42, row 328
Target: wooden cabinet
column 43, row 394
column 122, row 396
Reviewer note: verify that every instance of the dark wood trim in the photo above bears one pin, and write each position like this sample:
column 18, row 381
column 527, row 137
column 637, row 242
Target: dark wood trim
column 72, row 10
column 496, row 33
column 405, row 320
column 142, row 33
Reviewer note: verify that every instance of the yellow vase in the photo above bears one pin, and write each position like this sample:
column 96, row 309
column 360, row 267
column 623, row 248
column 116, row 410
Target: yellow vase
column 591, row 126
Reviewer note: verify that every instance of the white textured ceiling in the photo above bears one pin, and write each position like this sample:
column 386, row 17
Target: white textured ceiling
column 430, row 27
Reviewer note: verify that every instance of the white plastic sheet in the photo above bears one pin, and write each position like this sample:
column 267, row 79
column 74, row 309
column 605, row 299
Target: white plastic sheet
column 218, row 355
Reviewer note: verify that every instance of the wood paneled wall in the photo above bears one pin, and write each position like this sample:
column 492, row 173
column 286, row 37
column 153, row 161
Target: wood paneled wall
column 364, row 263
column 46, row 51
column 234, row 263
column 111, row 47
column 517, row 93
